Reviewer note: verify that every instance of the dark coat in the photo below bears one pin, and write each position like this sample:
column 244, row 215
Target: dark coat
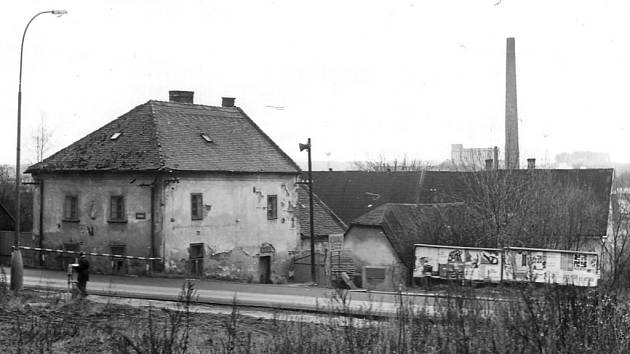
column 83, row 270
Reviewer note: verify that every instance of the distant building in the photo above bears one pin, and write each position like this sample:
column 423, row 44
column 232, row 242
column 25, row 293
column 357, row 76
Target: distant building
column 472, row 158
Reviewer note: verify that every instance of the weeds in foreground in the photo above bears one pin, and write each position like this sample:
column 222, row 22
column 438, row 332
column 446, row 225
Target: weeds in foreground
column 167, row 334
column 527, row 319
column 4, row 288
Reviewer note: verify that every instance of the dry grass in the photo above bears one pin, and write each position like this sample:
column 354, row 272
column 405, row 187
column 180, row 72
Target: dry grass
column 544, row 320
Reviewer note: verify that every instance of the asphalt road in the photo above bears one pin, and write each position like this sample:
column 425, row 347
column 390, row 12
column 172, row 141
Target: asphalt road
column 284, row 297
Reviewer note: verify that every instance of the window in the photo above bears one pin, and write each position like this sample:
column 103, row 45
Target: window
column 117, row 208
column 70, row 208
column 272, row 207
column 196, row 206
column 206, row 137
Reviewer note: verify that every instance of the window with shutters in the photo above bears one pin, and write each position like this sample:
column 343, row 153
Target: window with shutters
column 272, row 207
column 117, row 209
column 196, row 206
column 70, row 208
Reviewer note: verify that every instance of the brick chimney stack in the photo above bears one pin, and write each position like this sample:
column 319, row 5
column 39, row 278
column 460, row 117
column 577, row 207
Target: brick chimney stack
column 511, row 114
column 227, row 101
column 181, row 96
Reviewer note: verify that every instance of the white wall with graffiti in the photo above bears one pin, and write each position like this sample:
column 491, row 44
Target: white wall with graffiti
column 509, row 264
column 453, row 262
column 551, row 266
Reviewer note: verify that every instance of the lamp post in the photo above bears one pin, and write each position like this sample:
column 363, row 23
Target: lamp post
column 303, row 147
column 16, row 257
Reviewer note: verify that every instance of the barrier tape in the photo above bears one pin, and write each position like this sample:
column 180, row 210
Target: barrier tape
column 88, row 253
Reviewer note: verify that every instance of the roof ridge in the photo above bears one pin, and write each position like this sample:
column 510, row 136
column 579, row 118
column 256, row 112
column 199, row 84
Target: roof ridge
column 273, row 143
column 156, row 130
column 326, row 208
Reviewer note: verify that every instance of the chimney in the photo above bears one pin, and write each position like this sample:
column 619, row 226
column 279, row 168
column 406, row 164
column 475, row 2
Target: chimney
column 531, row 164
column 227, row 101
column 181, row 96
column 495, row 151
column 511, row 115
column 489, row 164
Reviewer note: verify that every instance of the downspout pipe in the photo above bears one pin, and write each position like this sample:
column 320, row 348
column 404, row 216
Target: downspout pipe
column 41, row 221
column 153, row 214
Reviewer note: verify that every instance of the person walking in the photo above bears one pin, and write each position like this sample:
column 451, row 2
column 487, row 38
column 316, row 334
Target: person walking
column 83, row 271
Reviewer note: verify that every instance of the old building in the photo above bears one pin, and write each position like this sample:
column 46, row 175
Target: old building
column 201, row 187
column 562, row 209
column 473, row 158
column 381, row 241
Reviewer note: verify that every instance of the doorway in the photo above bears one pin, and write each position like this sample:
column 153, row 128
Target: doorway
column 264, row 269
column 195, row 252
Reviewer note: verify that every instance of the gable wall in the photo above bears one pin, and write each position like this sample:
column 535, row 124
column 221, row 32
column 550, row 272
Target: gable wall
column 234, row 224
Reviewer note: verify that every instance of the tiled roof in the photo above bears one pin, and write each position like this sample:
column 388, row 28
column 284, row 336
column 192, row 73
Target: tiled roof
column 325, row 221
column 168, row 136
column 351, row 194
column 407, row 224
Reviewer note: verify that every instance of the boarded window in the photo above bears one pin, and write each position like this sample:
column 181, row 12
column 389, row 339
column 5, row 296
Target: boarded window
column 117, row 208
column 70, row 208
column 196, row 206
column 272, row 207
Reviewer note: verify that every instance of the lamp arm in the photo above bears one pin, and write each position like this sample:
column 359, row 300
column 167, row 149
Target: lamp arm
column 22, row 45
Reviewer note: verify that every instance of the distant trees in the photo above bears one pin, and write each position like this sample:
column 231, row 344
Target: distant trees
column 7, row 201
column 383, row 164
column 616, row 247
column 531, row 208
column 41, row 140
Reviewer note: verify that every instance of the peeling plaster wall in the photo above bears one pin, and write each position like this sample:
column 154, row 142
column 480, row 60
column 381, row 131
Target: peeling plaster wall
column 234, row 224
column 93, row 232
column 370, row 247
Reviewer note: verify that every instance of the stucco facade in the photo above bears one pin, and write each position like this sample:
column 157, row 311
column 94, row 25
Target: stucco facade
column 234, row 233
column 369, row 247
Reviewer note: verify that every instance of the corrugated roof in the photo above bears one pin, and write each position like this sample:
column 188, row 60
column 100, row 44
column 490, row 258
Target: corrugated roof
column 325, row 221
column 168, row 136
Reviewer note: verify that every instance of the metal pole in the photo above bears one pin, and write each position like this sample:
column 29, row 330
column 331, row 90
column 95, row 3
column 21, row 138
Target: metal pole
column 310, row 197
column 16, row 257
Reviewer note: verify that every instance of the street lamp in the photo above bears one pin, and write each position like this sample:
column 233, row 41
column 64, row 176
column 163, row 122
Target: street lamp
column 16, row 257
column 303, row 147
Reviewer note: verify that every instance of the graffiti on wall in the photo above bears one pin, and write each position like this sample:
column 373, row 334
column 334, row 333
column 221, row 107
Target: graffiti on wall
column 458, row 263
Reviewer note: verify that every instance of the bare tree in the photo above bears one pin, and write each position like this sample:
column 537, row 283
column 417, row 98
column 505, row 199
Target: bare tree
column 383, row 164
column 42, row 138
column 531, row 208
column 616, row 247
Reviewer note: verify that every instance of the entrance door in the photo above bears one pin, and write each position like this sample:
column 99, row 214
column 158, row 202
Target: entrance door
column 264, row 269
column 196, row 259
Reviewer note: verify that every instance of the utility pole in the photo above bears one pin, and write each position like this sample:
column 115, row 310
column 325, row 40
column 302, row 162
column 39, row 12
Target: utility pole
column 303, row 147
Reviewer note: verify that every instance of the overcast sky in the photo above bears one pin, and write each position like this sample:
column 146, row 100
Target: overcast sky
column 363, row 79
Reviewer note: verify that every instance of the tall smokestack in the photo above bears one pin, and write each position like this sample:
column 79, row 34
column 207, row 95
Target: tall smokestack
column 511, row 114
